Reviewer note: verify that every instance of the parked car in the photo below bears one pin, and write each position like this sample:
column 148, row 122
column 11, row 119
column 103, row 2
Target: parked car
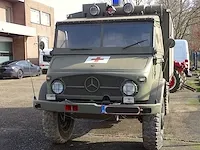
column 19, row 69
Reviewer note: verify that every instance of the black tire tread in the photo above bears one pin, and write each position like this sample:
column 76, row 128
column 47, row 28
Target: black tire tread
column 166, row 99
column 150, row 127
column 178, row 80
column 51, row 129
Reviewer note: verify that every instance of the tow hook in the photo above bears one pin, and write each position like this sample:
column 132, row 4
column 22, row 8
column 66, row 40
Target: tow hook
column 37, row 106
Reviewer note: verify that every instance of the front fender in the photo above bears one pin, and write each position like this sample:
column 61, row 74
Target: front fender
column 43, row 91
column 157, row 91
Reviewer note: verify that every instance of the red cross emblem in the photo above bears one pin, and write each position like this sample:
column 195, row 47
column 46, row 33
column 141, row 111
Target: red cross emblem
column 97, row 59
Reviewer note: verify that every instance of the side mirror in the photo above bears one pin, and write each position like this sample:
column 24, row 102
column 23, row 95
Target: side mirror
column 171, row 43
column 28, row 60
column 41, row 45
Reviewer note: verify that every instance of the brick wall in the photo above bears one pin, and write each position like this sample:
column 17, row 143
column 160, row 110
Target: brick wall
column 18, row 47
column 27, row 47
column 3, row 6
column 42, row 30
column 19, row 13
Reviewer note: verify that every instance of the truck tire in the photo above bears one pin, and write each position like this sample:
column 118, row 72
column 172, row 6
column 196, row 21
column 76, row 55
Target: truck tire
column 57, row 128
column 153, row 130
column 51, row 122
column 166, row 99
column 183, row 78
column 175, row 82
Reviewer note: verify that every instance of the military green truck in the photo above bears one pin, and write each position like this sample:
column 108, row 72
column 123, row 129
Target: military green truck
column 109, row 61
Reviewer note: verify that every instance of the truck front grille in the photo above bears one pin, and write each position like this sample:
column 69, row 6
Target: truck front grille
column 98, row 85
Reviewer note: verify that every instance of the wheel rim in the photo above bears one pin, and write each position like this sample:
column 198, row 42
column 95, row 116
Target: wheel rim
column 20, row 74
column 64, row 122
column 172, row 83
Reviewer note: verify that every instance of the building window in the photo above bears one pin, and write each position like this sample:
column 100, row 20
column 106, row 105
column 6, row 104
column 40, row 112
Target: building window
column 8, row 14
column 35, row 16
column 45, row 19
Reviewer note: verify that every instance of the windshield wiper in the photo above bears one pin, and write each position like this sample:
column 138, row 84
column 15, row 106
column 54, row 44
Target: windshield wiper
column 135, row 44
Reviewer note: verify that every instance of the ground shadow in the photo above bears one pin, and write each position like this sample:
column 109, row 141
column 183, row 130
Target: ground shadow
column 183, row 145
column 21, row 126
column 117, row 145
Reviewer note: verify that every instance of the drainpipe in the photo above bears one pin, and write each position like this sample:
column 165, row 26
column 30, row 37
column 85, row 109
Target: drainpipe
column 25, row 48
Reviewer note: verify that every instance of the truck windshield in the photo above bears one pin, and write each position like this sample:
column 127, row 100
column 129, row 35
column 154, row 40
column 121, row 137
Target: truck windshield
column 116, row 34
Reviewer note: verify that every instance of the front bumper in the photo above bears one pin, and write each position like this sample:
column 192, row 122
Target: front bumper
column 92, row 108
column 44, row 67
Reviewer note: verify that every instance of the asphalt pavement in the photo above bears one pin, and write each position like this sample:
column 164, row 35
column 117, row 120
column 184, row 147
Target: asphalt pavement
column 21, row 128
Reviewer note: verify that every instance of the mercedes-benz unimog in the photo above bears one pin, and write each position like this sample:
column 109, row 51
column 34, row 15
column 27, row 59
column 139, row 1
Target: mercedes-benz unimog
column 109, row 61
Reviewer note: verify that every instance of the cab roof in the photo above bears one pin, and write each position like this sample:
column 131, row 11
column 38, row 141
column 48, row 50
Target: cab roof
column 140, row 17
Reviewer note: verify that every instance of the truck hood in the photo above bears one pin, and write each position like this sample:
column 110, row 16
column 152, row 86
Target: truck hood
column 113, row 62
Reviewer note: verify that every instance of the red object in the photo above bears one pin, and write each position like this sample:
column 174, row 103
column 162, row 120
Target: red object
column 75, row 108
column 97, row 59
column 68, row 107
column 71, row 108
column 180, row 67
column 186, row 63
column 110, row 10
column 172, row 82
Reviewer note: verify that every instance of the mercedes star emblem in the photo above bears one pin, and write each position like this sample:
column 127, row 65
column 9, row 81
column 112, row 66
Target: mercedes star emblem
column 92, row 84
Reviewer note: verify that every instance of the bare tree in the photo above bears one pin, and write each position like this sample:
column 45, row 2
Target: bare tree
column 138, row 2
column 141, row 2
column 184, row 15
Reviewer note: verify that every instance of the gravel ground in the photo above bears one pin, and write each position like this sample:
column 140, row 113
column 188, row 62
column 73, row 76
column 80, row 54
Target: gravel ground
column 21, row 129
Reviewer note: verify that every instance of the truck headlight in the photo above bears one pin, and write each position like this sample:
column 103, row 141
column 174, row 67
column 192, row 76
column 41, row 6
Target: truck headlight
column 129, row 88
column 57, row 87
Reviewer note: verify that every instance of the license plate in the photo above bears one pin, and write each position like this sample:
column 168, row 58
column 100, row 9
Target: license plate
column 103, row 109
column 128, row 100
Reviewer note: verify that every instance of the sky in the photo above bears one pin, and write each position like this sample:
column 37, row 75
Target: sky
column 64, row 7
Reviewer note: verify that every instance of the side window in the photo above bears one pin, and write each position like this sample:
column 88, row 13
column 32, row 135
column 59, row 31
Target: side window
column 23, row 63
column 20, row 63
column 27, row 64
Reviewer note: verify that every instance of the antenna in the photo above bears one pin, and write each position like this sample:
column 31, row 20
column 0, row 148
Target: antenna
column 34, row 95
